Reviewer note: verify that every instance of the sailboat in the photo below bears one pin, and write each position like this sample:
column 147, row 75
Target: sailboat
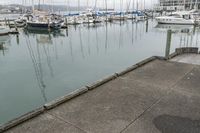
column 44, row 20
column 130, row 14
column 120, row 16
column 74, row 19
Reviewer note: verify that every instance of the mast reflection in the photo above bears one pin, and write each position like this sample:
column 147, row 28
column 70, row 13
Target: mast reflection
column 44, row 41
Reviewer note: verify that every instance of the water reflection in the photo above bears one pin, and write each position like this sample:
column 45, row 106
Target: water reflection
column 4, row 42
column 40, row 51
column 81, row 43
column 37, row 65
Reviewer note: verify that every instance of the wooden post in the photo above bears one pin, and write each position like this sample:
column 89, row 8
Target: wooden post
column 9, row 23
column 66, row 22
column 48, row 25
column 74, row 20
column 88, row 21
column 1, row 46
column 15, row 26
column 5, row 21
column 17, row 39
column 67, row 32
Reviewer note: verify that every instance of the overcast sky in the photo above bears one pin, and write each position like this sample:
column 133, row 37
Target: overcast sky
column 100, row 3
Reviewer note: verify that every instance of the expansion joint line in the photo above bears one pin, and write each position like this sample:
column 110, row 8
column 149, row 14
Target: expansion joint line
column 67, row 122
column 149, row 108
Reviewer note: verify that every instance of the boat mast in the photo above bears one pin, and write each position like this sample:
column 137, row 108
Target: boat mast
column 128, row 5
column 191, row 4
column 68, row 6
column 196, row 5
column 121, row 5
column 87, row 3
column 52, row 6
column 114, row 5
column 133, row 4
column 39, row 5
column 33, row 6
column 22, row 8
column 95, row 5
column 106, row 7
column 184, row 5
column 78, row 6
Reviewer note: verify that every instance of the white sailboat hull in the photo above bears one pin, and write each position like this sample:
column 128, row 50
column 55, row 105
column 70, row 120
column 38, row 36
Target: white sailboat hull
column 170, row 20
column 4, row 31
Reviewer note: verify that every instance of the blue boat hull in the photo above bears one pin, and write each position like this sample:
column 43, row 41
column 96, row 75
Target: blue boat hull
column 43, row 26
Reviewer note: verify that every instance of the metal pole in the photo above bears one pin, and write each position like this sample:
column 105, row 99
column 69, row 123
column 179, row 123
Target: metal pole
column 33, row 8
column 168, row 43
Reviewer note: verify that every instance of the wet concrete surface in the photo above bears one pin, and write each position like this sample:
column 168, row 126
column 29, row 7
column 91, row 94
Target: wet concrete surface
column 155, row 98
column 176, row 124
column 188, row 58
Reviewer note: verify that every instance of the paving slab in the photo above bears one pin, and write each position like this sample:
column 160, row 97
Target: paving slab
column 188, row 58
column 191, row 82
column 109, row 108
column 175, row 113
column 160, row 73
column 45, row 123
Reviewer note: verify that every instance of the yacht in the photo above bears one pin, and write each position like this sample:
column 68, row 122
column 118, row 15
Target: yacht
column 140, row 16
column 119, row 16
column 74, row 20
column 181, row 17
column 131, row 16
column 88, row 16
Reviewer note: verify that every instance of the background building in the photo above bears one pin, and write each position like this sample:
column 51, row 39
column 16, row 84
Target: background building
column 178, row 4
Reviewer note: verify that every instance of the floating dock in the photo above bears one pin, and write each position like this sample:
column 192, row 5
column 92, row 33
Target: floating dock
column 156, row 95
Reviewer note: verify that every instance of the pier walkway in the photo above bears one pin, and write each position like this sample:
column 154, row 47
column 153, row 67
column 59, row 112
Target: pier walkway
column 158, row 97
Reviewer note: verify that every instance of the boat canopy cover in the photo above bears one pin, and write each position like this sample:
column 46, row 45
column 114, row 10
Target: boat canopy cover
column 72, row 14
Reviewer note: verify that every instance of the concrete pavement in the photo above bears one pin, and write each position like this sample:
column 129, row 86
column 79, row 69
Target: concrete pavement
column 159, row 97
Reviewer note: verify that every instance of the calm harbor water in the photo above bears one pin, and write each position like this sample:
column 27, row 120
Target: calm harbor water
column 38, row 67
